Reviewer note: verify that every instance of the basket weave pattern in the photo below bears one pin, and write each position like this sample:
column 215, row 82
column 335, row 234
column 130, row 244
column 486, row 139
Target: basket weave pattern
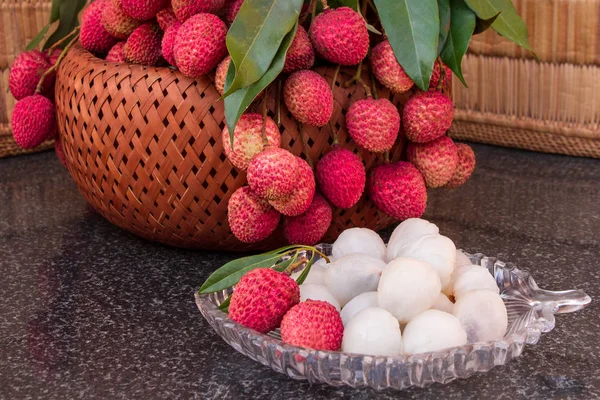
column 144, row 147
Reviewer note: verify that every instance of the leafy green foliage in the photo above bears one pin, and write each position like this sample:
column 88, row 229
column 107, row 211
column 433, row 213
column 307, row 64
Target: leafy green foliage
column 68, row 11
column 483, row 25
column 444, row 8
column 462, row 25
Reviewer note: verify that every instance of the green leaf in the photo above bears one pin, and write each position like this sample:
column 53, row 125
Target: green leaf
column 38, row 38
column 224, row 306
column 305, row 272
column 371, row 28
column 256, row 36
column 353, row 4
column 462, row 25
column 237, row 102
column 508, row 24
column 55, row 10
column 413, row 28
column 444, row 7
column 483, row 25
column 68, row 11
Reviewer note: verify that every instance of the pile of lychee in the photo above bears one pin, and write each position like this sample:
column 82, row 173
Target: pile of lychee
column 417, row 294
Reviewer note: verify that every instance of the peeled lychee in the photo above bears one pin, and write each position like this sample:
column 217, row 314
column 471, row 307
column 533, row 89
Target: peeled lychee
column 116, row 22
column 251, row 218
column 462, row 259
column 92, row 35
column 141, row 10
column 341, row 176
column 373, row 124
column 200, row 44
column 231, row 9
column 443, row 303
column 273, row 173
column 310, row 227
column 308, row 97
column 185, row 9
column 359, row 240
column 144, row 45
column 299, row 202
column 26, row 72
column 465, row 166
column 387, row 70
column 435, row 76
column 357, row 304
column 313, row 324
column 436, row 160
column 373, row 331
column 315, row 291
column 117, row 53
column 301, row 54
column 316, row 274
column 168, row 42
column 398, row 190
column 221, row 75
column 406, row 233
column 433, row 330
column 247, row 139
column 427, row 116
column 482, row 314
column 261, row 299
column 474, row 277
column 436, row 250
column 351, row 275
column 165, row 18
column 33, row 121
column 340, row 36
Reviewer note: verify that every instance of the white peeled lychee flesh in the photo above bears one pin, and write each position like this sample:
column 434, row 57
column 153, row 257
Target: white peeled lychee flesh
column 482, row 314
column 407, row 288
column 474, row 277
column 407, row 232
column 359, row 240
column 443, row 303
column 311, row 291
column 462, row 259
column 373, row 331
column 437, row 250
column 433, row 330
column 316, row 274
column 353, row 274
column 357, row 304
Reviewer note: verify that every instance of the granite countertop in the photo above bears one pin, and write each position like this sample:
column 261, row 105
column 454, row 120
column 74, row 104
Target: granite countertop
column 90, row 311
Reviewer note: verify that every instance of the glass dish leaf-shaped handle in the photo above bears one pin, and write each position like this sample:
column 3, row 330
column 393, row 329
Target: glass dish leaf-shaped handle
column 566, row 301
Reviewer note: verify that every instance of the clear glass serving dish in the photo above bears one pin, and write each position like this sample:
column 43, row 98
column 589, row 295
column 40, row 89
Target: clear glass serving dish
column 530, row 309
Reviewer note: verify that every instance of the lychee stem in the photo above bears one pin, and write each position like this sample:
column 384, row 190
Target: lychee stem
column 355, row 78
column 294, row 266
column 442, row 75
column 61, row 41
column 279, row 86
column 55, row 66
column 365, row 87
column 305, row 146
column 386, row 157
column 325, row 5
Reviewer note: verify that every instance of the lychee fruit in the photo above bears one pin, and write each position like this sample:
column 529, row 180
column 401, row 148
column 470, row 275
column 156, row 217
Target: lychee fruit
column 436, row 160
column 427, row 116
column 340, row 36
column 248, row 139
column 200, row 44
column 373, row 124
column 261, row 298
column 231, row 9
column 60, row 153
column 251, row 218
column 117, row 53
column 387, row 70
column 398, row 190
column 184, row 9
column 313, row 324
column 435, row 76
column 116, row 22
column 54, row 56
column 165, row 18
column 301, row 54
column 144, row 45
column 301, row 198
column 308, row 97
column 464, row 168
column 168, row 42
column 273, row 173
column 221, row 75
column 26, row 72
column 341, row 176
column 309, row 228
column 92, row 35
column 33, row 121
column 142, row 10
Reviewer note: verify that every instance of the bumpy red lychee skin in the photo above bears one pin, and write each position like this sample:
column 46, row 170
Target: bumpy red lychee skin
column 200, row 44
column 273, row 173
column 117, row 53
column 26, row 72
column 340, row 36
column 261, row 298
column 309, row 228
column 117, row 23
column 313, row 324
column 184, row 9
column 33, row 121
column 247, row 139
column 144, row 45
column 465, row 166
column 221, row 74
column 142, row 10
column 341, row 176
column 168, row 43
column 435, row 76
column 92, row 35
column 301, row 54
column 398, row 190
column 427, row 116
column 165, row 18
column 54, row 56
column 387, row 70
column 302, row 196
column 231, row 9
column 308, row 97
column 436, row 160
column 251, row 218
column 373, row 124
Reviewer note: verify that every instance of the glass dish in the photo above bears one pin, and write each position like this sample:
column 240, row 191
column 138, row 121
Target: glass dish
column 530, row 309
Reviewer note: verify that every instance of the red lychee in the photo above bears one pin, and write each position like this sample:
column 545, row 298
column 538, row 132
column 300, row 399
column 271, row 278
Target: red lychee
column 116, row 54
column 273, row 173
column 26, row 72
column 221, row 74
column 341, row 176
column 387, row 70
column 116, row 22
column 435, row 76
column 184, row 9
column 54, row 56
column 33, row 121
column 436, row 160
column 309, row 228
column 165, row 18
column 313, row 324
column 92, row 35
column 427, row 116
column 308, row 97
column 168, row 42
column 231, row 9
column 465, row 166
column 142, row 10
column 301, row 198
column 301, row 54
column 251, row 218
column 144, row 45
column 373, row 124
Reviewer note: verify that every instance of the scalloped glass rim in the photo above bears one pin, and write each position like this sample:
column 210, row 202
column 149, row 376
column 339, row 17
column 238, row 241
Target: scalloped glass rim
column 530, row 313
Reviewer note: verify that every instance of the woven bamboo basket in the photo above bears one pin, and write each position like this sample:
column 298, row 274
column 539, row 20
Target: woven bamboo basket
column 144, row 147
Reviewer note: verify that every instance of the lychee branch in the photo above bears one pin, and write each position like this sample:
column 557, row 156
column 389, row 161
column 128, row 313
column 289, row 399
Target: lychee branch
column 66, row 38
column 55, row 66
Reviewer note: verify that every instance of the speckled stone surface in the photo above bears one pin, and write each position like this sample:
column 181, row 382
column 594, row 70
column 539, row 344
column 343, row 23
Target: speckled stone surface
column 90, row 311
